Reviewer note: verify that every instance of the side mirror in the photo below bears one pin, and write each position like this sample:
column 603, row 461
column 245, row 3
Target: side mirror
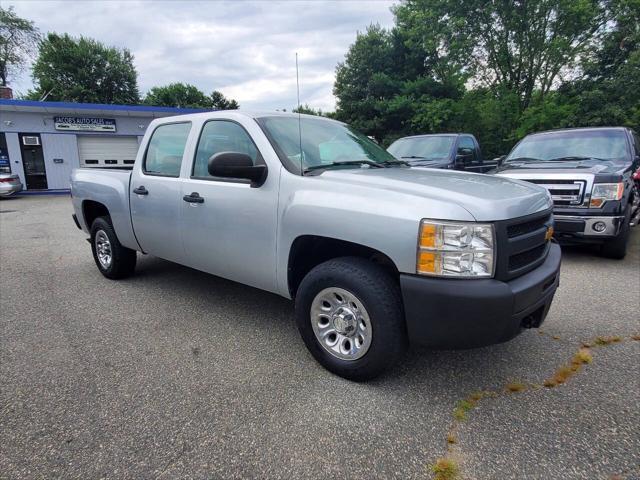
column 463, row 156
column 237, row 165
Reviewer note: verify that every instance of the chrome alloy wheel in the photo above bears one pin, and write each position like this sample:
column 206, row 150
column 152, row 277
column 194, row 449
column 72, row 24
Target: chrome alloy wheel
column 103, row 249
column 341, row 323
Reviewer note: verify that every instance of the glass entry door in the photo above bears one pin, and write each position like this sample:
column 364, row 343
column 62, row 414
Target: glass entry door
column 33, row 161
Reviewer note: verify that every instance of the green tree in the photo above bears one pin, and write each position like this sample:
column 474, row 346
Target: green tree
column 497, row 69
column 517, row 45
column 220, row 102
column 177, row 95
column 307, row 110
column 84, row 70
column 608, row 93
column 184, row 95
column 18, row 43
column 366, row 82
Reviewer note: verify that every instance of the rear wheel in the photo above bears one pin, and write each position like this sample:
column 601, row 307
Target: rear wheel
column 350, row 315
column 617, row 247
column 112, row 259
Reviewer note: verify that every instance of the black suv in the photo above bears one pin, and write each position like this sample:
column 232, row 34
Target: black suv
column 588, row 172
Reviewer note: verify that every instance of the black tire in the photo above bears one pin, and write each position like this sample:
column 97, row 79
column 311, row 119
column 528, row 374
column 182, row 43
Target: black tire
column 617, row 247
column 123, row 259
column 380, row 295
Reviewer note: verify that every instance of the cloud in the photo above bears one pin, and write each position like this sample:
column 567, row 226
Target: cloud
column 246, row 49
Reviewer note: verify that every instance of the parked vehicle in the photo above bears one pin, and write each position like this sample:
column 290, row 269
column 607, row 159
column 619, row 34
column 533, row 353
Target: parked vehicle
column 588, row 172
column 9, row 184
column 374, row 252
column 635, row 215
column 456, row 151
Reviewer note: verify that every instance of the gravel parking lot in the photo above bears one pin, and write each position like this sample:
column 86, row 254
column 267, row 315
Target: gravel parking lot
column 177, row 374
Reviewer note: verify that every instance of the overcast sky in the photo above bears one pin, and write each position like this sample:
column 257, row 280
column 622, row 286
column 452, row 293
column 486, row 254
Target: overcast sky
column 245, row 49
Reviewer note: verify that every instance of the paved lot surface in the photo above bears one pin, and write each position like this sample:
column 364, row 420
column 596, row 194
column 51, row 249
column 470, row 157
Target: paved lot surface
column 177, row 374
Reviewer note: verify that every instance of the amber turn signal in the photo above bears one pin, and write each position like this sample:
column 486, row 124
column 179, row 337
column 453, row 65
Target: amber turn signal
column 427, row 235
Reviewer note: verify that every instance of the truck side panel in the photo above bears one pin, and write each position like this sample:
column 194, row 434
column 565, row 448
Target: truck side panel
column 111, row 189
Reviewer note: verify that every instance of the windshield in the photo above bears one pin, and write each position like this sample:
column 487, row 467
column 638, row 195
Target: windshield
column 422, row 148
column 600, row 144
column 324, row 143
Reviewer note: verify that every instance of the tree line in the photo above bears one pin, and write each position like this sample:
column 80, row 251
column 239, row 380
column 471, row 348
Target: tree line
column 497, row 69
column 86, row 71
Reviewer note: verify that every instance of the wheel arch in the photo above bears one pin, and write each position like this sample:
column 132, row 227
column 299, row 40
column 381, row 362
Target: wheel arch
column 308, row 251
column 92, row 210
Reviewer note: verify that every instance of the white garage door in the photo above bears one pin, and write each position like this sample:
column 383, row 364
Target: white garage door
column 104, row 151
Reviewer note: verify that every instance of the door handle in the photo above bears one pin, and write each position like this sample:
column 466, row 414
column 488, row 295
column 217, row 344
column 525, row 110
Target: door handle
column 141, row 190
column 193, row 197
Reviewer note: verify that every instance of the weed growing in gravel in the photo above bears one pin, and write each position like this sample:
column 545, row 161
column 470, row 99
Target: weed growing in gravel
column 463, row 406
column 445, row 469
column 475, row 396
column 516, row 387
column 583, row 356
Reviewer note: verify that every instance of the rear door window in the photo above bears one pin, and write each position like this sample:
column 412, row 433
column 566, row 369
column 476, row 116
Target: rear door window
column 165, row 150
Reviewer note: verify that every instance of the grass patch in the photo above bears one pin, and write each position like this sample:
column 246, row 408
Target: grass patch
column 583, row 356
column 475, row 396
column 516, row 387
column 563, row 374
column 451, row 439
column 463, row 406
column 550, row 383
column 445, row 469
column 607, row 340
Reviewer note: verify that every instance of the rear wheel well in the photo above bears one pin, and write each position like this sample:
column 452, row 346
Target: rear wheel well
column 92, row 210
column 309, row 251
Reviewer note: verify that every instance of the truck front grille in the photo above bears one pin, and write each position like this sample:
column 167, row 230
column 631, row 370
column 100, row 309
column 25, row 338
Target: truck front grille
column 563, row 192
column 527, row 227
column 521, row 244
column 525, row 258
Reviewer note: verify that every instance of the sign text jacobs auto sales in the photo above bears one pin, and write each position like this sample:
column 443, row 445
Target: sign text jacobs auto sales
column 85, row 124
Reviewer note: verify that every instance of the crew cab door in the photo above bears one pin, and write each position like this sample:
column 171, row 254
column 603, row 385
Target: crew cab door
column 155, row 191
column 229, row 227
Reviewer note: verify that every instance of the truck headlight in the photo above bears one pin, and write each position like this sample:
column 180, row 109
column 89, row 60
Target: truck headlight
column 602, row 192
column 448, row 249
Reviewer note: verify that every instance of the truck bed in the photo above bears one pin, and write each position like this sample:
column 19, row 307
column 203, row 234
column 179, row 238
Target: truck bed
column 108, row 187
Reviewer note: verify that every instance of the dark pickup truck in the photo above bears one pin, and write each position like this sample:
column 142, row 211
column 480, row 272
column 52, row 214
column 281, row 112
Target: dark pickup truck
column 589, row 173
column 455, row 151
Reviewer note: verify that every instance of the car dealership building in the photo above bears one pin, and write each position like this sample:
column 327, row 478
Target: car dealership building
column 43, row 141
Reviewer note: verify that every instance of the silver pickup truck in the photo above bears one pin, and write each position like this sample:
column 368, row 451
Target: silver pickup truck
column 375, row 253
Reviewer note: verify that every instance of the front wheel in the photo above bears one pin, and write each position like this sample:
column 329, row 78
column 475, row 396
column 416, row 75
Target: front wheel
column 349, row 312
column 112, row 259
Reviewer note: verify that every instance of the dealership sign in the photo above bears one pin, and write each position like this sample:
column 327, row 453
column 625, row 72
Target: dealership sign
column 85, row 124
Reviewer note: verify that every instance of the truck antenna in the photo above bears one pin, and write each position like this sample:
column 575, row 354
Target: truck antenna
column 299, row 118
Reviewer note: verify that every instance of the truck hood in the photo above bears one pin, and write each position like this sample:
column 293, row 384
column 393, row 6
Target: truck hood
column 486, row 198
column 593, row 166
column 439, row 163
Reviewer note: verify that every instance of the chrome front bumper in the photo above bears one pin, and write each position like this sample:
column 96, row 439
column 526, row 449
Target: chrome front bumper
column 583, row 226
